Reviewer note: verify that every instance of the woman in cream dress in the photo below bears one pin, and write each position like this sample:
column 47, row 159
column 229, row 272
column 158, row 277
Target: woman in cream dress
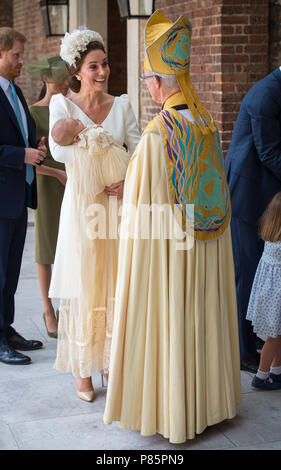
column 86, row 292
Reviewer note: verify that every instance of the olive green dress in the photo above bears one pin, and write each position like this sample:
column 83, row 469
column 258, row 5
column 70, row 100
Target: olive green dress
column 50, row 194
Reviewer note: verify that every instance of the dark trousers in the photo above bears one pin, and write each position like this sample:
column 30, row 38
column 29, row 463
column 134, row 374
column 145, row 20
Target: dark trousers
column 12, row 238
column 247, row 251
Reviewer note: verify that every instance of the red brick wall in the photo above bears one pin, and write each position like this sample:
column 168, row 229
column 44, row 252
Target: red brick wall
column 28, row 21
column 204, row 16
column 228, row 54
column 244, row 47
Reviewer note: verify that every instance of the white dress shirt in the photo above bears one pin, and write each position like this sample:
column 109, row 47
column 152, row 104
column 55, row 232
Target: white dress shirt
column 4, row 84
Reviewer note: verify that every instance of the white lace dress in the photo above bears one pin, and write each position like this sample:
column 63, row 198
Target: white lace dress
column 84, row 337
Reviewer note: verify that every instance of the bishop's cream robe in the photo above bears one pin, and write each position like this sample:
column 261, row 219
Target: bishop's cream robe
column 174, row 366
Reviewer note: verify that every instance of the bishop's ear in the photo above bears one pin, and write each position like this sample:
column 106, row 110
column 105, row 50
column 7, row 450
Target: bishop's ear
column 157, row 81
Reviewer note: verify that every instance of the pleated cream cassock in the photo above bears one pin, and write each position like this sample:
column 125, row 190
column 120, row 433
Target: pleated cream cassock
column 174, row 366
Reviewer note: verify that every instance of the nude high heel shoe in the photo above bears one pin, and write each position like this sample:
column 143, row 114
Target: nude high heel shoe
column 86, row 396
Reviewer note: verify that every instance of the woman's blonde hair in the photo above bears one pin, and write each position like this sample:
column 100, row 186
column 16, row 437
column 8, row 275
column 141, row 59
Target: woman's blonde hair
column 270, row 224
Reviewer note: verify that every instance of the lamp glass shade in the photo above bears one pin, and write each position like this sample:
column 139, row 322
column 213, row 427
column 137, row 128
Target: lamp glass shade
column 135, row 8
column 58, row 15
column 141, row 7
column 55, row 16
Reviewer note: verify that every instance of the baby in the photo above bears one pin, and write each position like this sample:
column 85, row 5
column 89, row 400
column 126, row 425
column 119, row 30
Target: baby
column 101, row 160
column 66, row 131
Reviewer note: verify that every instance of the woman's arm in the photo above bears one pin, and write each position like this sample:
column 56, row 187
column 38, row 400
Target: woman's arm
column 58, row 111
column 54, row 172
column 132, row 137
column 132, row 133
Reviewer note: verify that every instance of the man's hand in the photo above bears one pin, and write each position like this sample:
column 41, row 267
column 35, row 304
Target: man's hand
column 36, row 156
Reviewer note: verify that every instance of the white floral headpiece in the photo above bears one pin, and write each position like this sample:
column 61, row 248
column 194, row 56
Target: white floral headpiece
column 76, row 42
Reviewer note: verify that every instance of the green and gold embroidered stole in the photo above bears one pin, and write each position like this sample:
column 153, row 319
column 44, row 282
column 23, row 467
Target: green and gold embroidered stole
column 195, row 173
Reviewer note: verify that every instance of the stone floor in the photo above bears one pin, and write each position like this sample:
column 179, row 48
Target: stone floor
column 39, row 408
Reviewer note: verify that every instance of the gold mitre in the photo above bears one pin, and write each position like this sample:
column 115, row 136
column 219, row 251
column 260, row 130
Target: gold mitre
column 167, row 51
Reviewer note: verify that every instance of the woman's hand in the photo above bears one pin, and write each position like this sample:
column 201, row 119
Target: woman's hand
column 116, row 189
column 61, row 176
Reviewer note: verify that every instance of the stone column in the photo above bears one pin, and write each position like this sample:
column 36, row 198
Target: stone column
column 133, row 64
column 91, row 14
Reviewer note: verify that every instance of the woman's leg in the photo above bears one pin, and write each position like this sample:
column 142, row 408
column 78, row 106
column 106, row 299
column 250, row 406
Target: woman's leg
column 84, row 384
column 44, row 276
column 85, row 389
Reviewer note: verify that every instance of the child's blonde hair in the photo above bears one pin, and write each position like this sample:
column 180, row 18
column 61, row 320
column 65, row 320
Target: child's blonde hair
column 270, row 224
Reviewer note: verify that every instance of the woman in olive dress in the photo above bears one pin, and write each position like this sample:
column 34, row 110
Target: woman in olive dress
column 51, row 179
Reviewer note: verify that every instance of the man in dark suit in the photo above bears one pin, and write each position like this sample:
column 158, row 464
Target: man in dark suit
column 18, row 155
column 253, row 165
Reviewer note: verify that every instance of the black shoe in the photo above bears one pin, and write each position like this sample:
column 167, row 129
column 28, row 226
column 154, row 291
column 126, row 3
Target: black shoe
column 267, row 384
column 9, row 356
column 18, row 342
column 250, row 365
column 275, row 377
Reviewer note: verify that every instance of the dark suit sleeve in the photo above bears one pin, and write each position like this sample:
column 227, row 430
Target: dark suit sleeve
column 265, row 115
column 12, row 157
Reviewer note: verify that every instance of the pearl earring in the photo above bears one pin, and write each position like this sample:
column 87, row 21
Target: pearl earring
column 78, row 78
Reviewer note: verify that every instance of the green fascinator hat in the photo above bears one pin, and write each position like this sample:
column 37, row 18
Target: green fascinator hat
column 50, row 69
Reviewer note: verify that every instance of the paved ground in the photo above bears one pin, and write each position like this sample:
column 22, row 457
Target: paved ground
column 39, row 408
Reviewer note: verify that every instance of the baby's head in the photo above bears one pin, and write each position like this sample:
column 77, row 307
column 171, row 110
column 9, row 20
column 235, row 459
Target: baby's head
column 66, row 130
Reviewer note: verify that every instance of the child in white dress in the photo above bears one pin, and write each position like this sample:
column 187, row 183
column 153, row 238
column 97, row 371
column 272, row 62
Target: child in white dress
column 264, row 309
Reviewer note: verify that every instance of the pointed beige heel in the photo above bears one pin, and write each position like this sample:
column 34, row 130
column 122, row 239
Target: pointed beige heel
column 86, row 396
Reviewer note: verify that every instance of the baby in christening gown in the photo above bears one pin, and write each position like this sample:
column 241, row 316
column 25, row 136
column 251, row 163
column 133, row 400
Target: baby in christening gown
column 104, row 161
